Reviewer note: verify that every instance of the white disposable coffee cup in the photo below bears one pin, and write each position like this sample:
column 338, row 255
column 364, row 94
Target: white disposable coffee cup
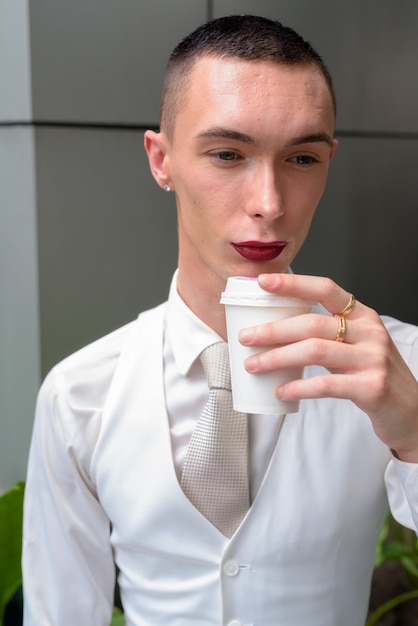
column 247, row 304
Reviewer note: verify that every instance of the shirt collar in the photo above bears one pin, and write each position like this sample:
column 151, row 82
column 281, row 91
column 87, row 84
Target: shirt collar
column 187, row 334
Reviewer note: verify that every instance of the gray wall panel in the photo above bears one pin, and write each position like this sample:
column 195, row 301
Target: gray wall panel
column 383, row 206
column 364, row 235
column 102, row 61
column 107, row 235
column 19, row 322
column 15, row 86
column 371, row 49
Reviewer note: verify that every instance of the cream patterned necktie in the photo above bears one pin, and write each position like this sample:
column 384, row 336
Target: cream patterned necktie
column 215, row 471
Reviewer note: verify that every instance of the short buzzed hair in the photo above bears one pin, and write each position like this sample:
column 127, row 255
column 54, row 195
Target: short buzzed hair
column 245, row 37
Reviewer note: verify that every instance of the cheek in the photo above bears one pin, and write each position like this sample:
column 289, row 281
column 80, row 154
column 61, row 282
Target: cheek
column 196, row 218
column 310, row 195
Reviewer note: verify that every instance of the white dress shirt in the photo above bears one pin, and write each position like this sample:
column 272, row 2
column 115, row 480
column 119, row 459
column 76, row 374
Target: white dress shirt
column 99, row 487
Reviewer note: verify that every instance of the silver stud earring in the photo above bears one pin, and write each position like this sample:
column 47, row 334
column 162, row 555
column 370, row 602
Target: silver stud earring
column 167, row 188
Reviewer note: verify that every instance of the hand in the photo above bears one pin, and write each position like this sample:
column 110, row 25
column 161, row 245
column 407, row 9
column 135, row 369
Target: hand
column 366, row 368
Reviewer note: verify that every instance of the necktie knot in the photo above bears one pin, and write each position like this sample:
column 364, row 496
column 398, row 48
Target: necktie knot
column 215, row 362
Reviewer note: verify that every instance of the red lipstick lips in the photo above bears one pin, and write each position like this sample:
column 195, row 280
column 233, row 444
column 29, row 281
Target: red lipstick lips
column 258, row 251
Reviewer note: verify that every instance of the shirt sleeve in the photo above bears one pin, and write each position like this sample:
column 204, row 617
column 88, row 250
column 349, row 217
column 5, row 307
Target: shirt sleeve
column 401, row 478
column 401, row 481
column 68, row 567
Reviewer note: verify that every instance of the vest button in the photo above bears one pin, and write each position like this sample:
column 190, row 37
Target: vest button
column 231, row 568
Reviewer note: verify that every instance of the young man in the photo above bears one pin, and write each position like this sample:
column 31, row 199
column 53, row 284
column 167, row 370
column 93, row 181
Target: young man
column 247, row 123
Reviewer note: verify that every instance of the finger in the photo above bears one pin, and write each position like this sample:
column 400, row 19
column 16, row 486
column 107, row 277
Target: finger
column 325, row 386
column 372, row 390
column 300, row 327
column 330, row 355
column 317, row 288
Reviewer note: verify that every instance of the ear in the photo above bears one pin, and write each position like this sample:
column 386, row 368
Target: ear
column 333, row 148
column 156, row 148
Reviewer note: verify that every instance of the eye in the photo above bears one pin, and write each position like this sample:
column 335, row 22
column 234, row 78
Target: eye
column 226, row 155
column 304, row 159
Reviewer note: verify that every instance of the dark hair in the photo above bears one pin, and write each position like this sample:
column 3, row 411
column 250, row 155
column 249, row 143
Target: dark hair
column 245, row 37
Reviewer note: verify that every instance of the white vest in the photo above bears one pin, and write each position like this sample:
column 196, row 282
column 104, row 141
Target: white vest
column 302, row 556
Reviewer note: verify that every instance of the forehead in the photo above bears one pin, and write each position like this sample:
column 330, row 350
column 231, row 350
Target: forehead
column 234, row 91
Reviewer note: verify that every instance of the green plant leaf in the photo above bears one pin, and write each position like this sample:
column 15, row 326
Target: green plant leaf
column 11, row 513
column 379, row 558
column 394, row 550
column 118, row 619
column 389, row 605
column 410, row 565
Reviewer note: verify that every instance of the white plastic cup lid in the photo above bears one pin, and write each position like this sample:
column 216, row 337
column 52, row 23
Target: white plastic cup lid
column 245, row 291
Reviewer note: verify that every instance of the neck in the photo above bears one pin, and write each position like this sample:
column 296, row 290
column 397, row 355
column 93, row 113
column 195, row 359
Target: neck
column 203, row 299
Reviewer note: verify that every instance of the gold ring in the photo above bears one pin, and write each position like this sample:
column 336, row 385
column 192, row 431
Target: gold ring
column 347, row 309
column 341, row 328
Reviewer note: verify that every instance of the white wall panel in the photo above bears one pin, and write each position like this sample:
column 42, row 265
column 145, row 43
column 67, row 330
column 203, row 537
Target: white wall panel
column 102, row 60
column 19, row 322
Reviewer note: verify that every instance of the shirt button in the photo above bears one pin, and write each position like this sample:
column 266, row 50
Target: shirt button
column 231, row 568
column 234, row 622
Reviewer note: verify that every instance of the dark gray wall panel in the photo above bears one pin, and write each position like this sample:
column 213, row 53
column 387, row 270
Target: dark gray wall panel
column 371, row 48
column 107, row 235
column 365, row 232
column 101, row 60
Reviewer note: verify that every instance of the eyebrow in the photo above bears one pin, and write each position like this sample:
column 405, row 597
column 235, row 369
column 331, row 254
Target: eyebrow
column 315, row 138
column 228, row 133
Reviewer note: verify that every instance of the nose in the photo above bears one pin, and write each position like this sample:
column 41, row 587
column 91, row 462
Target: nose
column 266, row 198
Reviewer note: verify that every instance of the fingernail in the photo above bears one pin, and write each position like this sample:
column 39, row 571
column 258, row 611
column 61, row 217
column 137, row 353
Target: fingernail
column 280, row 393
column 246, row 335
column 251, row 364
column 268, row 280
